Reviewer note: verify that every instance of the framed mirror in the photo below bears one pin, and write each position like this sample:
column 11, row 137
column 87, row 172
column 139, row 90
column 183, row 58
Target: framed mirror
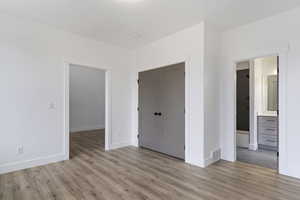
column 272, row 93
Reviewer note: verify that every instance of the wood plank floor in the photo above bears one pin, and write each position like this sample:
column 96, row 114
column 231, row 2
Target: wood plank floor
column 131, row 173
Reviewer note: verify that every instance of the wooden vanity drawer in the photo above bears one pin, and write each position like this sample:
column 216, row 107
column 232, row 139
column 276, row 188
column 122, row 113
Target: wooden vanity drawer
column 267, row 130
column 268, row 140
column 270, row 122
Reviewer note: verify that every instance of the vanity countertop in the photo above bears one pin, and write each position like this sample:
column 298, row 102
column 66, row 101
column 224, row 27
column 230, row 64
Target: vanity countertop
column 267, row 115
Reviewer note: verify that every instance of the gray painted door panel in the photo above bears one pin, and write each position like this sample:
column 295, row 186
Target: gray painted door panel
column 163, row 91
column 150, row 127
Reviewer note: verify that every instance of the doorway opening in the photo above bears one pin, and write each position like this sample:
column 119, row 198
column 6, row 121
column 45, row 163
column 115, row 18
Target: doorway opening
column 162, row 110
column 257, row 131
column 87, row 106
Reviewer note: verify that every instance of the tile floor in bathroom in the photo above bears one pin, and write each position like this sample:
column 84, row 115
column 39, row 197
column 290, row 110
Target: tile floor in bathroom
column 264, row 158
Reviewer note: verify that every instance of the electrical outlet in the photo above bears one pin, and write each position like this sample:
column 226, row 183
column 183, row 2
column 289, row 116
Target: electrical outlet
column 20, row 150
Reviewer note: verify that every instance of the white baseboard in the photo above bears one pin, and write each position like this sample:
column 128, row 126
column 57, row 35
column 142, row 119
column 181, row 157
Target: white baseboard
column 197, row 163
column 15, row 166
column 290, row 174
column 135, row 143
column 210, row 161
column 228, row 158
column 120, row 145
column 215, row 156
column 242, row 132
column 253, row 147
column 86, row 128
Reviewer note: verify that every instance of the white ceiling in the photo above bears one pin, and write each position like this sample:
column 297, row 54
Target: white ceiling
column 133, row 24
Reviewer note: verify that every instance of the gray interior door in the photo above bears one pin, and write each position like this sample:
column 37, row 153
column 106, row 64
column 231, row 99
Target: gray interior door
column 161, row 110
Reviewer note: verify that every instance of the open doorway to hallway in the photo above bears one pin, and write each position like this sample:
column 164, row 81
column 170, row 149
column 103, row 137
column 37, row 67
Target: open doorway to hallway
column 257, row 111
column 86, row 109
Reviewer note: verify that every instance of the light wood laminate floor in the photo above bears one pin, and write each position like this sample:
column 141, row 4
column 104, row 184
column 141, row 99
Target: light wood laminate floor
column 131, row 173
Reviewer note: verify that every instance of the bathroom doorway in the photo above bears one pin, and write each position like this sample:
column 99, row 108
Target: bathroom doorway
column 257, row 111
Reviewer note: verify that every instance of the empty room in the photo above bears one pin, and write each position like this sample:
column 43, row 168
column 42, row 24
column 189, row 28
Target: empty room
column 86, row 108
column 144, row 99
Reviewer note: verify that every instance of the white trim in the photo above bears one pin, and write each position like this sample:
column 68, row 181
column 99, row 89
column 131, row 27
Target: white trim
column 209, row 161
column 188, row 153
column 242, row 132
column 120, row 145
column 239, row 67
column 66, row 138
column 15, row 166
column 187, row 107
column 108, row 109
column 253, row 143
column 87, row 128
column 283, row 66
column 253, row 147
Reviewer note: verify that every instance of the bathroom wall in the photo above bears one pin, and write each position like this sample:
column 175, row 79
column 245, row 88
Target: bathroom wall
column 264, row 67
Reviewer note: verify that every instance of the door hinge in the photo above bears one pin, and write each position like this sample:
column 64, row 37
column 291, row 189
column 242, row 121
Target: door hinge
column 138, row 109
column 138, row 81
column 184, row 147
column 138, row 136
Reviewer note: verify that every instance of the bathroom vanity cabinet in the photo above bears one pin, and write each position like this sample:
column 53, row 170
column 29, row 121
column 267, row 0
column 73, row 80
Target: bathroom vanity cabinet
column 268, row 132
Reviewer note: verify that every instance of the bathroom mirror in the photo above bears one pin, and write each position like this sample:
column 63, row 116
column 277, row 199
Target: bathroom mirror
column 272, row 93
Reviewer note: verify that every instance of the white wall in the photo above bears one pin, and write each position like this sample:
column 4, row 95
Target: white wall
column 211, row 89
column 262, row 38
column 186, row 45
column 87, row 98
column 198, row 46
column 32, row 81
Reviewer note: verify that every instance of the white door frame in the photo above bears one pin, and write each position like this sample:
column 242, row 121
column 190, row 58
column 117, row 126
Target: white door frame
column 187, row 104
column 283, row 64
column 108, row 109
